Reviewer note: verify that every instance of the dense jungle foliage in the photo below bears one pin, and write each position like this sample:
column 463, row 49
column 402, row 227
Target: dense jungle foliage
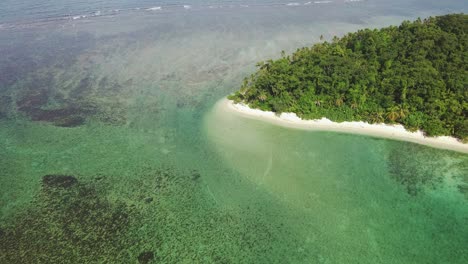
column 415, row 74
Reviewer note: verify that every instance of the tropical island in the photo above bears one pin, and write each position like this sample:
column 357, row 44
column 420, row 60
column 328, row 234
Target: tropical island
column 414, row 75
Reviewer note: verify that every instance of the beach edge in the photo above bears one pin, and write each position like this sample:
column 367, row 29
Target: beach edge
column 395, row 132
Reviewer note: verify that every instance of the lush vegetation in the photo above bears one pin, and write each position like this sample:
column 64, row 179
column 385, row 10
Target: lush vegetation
column 415, row 74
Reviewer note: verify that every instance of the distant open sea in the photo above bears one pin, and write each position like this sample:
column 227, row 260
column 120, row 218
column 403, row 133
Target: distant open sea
column 27, row 11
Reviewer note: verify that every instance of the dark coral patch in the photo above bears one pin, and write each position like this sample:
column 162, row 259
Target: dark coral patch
column 407, row 167
column 58, row 181
column 145, row 257
column 64, row 117
column 73, row 105
column 463, row 188
column 68, row 222
column 69, row 115
column 195, row 175
column 53, row 114
column 33, row 101
column 5, row 102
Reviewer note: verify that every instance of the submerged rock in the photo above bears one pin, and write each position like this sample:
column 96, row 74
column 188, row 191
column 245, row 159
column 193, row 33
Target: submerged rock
column 195, row 175
column 463, row 188
column 60, row 115
column 69, row 114
column 5, row 102
column 32, row 101
column 145, row 257
column 59, row 181
column 71, row 121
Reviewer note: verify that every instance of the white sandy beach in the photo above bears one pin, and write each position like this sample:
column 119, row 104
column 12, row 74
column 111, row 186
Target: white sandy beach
column 397, row 132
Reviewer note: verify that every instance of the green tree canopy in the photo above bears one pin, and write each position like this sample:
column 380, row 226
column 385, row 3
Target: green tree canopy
column 415, row 74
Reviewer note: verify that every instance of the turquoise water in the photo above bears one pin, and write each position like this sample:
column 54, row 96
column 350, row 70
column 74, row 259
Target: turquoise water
column 112, row 147
column 362, row 200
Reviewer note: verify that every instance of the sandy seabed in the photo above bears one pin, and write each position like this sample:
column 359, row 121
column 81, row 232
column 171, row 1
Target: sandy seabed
column 397, row 132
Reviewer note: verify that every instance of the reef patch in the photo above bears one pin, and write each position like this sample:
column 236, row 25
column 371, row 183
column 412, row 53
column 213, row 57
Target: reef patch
column 145, row 257
column 43, row 100
column 408, row 166
column 68, row 222
column 5, row 103
column 58, row 181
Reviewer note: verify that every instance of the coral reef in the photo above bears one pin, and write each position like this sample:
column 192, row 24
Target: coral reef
column 5, row 103
column 409, row 167
column 71, row 111
column 69, row 222
column 58, row 181
column 145, row 257
column 162, row 215
column 33, row 104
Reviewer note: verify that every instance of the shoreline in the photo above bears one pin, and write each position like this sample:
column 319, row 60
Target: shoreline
column 395, row 132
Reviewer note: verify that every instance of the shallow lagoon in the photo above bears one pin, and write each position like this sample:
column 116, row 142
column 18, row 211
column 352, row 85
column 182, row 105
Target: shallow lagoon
column 125, row 104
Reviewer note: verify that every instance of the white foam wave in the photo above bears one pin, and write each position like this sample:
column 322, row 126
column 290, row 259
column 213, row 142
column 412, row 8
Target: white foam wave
column 293, row 4
column 187, row 7
column 79, row 17
column 155, row 8
column 322, row 2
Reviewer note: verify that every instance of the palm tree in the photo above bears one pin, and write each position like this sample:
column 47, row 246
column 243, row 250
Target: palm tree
column 392, row 114
column 262, row 96
column 243, row 90
column 340, row 100
column 377, row 117
column 264, row 65
column 403, row 111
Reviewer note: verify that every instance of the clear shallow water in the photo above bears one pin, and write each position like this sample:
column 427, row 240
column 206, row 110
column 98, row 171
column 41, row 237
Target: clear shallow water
column 159, row 172
column 362, row 199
